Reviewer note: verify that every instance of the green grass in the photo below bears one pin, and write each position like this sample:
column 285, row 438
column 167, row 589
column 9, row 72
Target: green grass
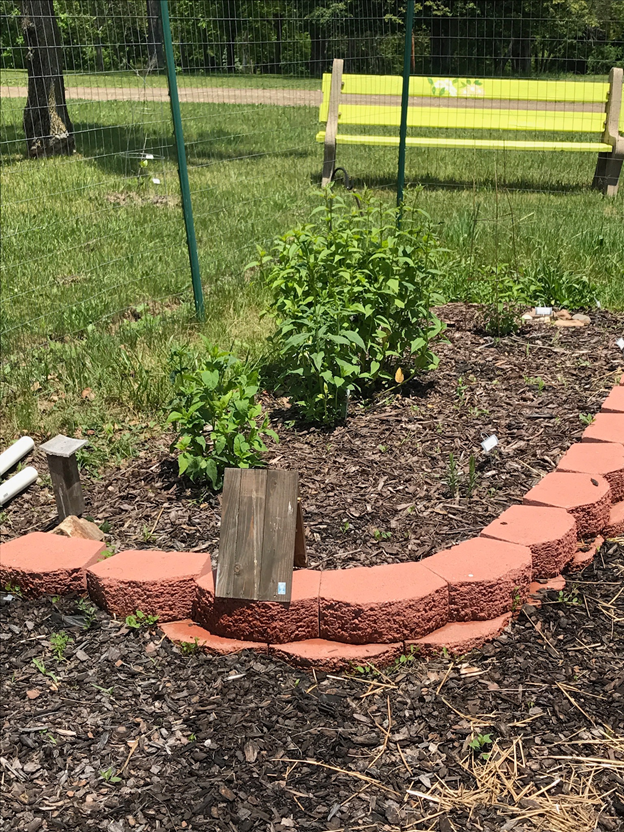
column 96, row 285
column 130, row 78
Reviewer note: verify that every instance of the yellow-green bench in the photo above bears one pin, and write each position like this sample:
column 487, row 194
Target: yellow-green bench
column 504, row 105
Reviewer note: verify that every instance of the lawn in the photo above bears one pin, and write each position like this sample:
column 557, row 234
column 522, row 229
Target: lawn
column 94, row 251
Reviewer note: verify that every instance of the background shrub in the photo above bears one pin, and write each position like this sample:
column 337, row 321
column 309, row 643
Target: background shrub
column 351, row 296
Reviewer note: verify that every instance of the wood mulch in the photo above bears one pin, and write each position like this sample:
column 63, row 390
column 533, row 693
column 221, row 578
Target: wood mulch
column 125, row 733
column 393, row 483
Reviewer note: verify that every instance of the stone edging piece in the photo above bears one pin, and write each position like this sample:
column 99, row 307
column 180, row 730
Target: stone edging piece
column 456, row 599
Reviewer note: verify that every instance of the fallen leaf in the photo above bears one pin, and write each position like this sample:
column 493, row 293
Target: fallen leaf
column 88, row 393
column 33, row 694
column 398, row 376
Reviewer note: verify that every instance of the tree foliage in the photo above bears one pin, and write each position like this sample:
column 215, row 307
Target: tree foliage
column 301, row 37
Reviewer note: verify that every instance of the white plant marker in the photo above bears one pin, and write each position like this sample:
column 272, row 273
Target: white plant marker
column 155, row 180
column 13, row 454
column 490, row 443
column 543, row 311
column 18, row 482
column 620, row 343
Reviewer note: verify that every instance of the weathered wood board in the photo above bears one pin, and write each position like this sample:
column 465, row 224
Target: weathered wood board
column 260, row 538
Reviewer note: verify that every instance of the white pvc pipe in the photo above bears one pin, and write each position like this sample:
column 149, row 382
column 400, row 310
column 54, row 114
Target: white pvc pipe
column 13, row 454
column 18, row 482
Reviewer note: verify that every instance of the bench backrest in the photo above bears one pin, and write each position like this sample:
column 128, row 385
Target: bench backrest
column 473, row 103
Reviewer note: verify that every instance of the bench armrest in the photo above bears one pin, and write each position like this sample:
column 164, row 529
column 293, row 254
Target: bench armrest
column 614, row 107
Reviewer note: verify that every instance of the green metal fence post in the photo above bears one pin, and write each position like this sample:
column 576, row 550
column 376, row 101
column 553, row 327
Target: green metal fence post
column 187, row 205
column 407, row 56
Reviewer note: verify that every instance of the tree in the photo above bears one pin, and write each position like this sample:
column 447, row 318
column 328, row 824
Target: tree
column 155, row 36
column 47, row 124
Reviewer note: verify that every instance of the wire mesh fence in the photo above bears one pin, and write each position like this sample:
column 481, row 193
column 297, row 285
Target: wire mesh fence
column 92, row 223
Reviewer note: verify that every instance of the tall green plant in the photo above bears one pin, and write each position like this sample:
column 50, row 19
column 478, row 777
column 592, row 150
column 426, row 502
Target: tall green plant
column 220, row 425
column 351, row 297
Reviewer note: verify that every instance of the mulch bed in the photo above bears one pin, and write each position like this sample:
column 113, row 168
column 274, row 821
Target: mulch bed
column 381, row 487
column 126, row 732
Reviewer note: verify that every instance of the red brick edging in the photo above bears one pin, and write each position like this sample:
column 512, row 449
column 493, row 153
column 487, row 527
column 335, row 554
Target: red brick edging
column 456, row 599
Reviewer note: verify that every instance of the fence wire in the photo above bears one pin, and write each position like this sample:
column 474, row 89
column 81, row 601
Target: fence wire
column 92, row 236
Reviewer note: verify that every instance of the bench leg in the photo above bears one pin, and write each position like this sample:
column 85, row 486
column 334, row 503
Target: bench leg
column 329, row 162
column 607, row 175
column 331, row 128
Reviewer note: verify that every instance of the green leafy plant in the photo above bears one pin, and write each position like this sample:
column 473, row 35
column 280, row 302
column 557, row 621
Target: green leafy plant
column 460, row 390
column 140, row 619
column 516, row 600
column 537, row 381
column 40, row 665
column 586, row 418
column 570, row 599
column 14, row 589
column 351, row 297
column 480, row 742
column 109, row 776
column 500, row 318
column 452, row 475
column 220, row 425
column 59, row 642
column 381, row 535
column 407, row 659
column 189, row 648
column 88, row 610
column 106, row 553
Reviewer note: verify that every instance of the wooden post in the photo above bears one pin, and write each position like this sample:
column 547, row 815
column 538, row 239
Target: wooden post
column 609, row 165
column 301, row 556
column 261, row 535
column 63, row 467
column 331, row 128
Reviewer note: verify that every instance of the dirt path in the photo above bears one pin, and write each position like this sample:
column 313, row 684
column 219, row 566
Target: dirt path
column 198, row 95
column 289, row 98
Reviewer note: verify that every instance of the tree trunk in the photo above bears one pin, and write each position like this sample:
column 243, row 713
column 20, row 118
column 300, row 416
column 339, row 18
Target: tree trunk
column 277, row 59
column 155, row 37
column 47, row 125
column 441, row 46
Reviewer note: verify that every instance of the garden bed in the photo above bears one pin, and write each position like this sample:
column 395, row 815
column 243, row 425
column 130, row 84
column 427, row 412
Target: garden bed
column 124, row 732
column 394, row 482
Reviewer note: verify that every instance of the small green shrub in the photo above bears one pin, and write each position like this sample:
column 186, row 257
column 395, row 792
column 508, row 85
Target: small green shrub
column 500, row 318
column 220, row 425
column 351, row 297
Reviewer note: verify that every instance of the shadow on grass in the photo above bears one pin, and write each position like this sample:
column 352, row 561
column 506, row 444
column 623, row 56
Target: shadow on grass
column 486, row 183
column 116, row 149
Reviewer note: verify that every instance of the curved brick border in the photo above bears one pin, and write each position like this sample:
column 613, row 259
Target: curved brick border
column 456, row 599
